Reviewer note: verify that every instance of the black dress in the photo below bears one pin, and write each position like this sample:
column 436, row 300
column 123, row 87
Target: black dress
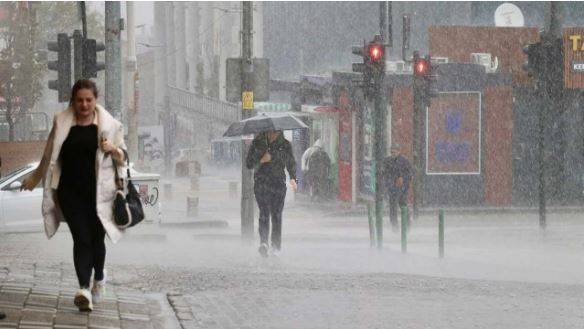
column 77, row 185
column 77, row 199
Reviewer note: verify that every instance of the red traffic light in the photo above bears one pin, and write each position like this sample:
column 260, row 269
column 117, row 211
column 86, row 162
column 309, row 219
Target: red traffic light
column 421, row 67
column 375, row 52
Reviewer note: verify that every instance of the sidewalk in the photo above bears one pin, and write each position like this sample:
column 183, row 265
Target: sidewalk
column 41, row 296
column 335, row 208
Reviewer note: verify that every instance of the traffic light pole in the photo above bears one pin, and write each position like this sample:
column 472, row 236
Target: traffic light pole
column 247, row 197
column 548, row 100
column 77, row 55
column 379, row 149
column 113, row 59
column 418, row 128
column 543, row 107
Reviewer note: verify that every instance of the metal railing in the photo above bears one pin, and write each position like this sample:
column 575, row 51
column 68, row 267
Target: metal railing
column 190, row 104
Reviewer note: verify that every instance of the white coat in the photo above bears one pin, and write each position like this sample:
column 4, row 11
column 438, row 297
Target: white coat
column 50, row 170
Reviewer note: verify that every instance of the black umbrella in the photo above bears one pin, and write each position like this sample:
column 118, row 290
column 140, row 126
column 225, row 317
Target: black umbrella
column 263, row 122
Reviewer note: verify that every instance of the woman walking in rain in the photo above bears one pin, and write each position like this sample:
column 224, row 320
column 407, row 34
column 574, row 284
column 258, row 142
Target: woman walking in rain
column 269, row 155
column 79, row 184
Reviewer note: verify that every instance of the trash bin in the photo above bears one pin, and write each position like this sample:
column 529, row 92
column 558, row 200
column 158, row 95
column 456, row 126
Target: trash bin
column 147, row 186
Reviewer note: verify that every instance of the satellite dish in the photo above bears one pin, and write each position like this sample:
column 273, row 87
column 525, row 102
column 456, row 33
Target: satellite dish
column 509, row 15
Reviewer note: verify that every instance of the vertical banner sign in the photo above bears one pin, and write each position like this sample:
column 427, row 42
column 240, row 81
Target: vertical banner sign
column 367, row 156
column 247, row 100
column 574, row 58
column 453, row 135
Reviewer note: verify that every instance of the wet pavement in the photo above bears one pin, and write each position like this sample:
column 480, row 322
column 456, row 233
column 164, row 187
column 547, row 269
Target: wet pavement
column 35, row 295
column 500, row 271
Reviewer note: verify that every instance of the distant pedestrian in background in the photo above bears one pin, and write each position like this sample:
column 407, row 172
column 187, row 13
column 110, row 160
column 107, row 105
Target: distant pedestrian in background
column 305, row 167
column 269, row 154
column 397, row 174
column 319, row 165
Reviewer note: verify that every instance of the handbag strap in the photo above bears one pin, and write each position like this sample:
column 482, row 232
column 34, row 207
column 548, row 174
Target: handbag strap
column 120, row 181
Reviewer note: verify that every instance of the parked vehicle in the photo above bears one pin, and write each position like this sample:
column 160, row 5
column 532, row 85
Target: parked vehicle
column 21, row 210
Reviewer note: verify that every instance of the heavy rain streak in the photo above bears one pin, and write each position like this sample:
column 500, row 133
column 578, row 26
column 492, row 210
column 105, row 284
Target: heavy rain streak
column 291, row 164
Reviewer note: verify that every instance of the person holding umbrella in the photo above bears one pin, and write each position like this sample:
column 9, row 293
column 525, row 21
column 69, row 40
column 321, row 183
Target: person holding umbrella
column 269, row 155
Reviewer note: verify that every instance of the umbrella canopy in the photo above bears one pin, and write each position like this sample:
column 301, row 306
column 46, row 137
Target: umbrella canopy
column 263, row 122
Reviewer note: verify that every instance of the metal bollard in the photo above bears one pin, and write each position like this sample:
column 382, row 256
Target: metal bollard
column 371, row 225
column 195, row 183
column 192, row 206
column 167, row 191
column 441, row 233
column 232, row 190
column 404, row 229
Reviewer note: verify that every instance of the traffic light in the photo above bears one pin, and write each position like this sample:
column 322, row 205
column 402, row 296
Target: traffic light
column 360, row 67
column 545, row 62
column 376, row 57
column 90, row 64
column 424, row 78
column 553, row 63
column 533, row 66
column 373, row 65
column 62, row 65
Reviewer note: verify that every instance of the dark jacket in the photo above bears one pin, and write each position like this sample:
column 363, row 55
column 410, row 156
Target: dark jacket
column 395, row 167
column 319, row 164
column 282, row 157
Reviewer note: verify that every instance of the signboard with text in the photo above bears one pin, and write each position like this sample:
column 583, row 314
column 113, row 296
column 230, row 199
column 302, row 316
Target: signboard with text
column 574, row 57
column 367, row 186
column 453, row 134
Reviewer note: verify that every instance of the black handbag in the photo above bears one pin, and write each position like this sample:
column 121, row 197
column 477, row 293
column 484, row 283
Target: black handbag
column 128, row 209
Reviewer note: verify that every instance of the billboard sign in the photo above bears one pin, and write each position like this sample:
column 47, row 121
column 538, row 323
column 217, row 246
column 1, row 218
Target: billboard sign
column 453, row 134
column 573, row 41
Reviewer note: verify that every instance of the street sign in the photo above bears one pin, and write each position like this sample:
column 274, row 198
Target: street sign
column 260, row 78
column 574, row 58
column 247, row 100
column 578, row 66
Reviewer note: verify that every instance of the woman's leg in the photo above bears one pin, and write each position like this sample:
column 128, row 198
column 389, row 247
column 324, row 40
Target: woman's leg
column 82, row 247
column 98, row 250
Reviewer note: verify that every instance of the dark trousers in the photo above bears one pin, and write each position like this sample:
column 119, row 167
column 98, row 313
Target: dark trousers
column 270, row 199
column 397, row 199
column 88, row 244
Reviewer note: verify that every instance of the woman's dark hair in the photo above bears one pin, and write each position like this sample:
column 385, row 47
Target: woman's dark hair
column 83, row 84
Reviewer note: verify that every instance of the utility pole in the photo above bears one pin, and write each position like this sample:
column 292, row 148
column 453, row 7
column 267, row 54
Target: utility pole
column 83, row 14
column 113, row 59
column 247, row 197
column 379, row 147
column 78, row 55
column 130, row 82
column 380, row 117
column 424, row 89
column 406, row 30
column 550, row 96
column 417, row 136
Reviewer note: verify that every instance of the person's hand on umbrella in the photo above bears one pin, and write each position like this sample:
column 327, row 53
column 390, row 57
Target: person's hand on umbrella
column 266, row 158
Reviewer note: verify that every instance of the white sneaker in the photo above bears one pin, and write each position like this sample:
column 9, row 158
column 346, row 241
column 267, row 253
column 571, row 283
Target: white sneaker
column 83, row 300
column 274, row 252
column 98, row 289
column 263, row 250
